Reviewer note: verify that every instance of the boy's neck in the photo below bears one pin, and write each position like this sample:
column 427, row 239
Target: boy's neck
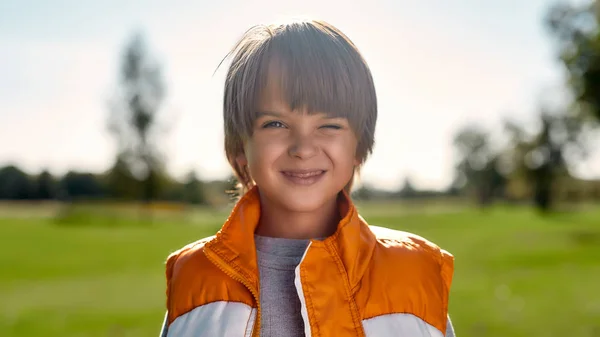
column 281, row 223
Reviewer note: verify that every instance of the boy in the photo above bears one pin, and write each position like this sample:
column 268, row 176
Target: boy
column 294, row 258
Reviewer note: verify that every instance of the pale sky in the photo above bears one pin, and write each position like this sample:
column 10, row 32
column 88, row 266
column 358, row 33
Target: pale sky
column 436, row 65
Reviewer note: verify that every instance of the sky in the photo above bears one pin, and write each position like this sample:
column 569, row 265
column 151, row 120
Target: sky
column 436, row 64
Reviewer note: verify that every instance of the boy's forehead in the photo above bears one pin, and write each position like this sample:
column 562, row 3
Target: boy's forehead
column 271, row 95
column 285, row 86
column 276, row 93
column 272, row 99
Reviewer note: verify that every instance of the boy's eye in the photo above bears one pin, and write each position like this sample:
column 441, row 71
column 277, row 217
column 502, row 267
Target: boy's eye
column 332, row 126
column 273, row 124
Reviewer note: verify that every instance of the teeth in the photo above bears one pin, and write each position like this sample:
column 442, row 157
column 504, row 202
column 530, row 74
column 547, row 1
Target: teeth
column 304, row 175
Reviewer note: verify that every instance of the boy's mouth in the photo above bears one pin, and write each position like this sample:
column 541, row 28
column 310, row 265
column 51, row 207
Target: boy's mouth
column 303, row 177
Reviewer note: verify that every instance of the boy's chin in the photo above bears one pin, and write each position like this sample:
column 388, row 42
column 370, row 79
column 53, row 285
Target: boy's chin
column 306, row 202
column 304, row 206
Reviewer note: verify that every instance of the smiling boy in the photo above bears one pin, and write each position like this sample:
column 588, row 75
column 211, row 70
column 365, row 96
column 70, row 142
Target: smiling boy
column 295, row 258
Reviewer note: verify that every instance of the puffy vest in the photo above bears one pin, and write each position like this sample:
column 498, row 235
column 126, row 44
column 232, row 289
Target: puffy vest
column 361, row 281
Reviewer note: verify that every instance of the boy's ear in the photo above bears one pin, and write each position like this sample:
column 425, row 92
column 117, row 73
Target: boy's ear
column 241, row 160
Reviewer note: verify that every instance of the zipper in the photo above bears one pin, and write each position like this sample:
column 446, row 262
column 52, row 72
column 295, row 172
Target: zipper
column 216, row 260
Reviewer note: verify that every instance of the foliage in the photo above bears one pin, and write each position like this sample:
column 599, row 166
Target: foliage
column 116, row 184
column 576, row 31
column 478, row 164
column 193, row 190
column 134, row 122
column 14, row 183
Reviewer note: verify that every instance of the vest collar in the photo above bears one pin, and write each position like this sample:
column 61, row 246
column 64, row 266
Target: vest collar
column 353, row 241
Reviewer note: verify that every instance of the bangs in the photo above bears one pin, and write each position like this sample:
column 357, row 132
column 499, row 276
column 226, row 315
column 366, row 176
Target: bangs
column 312, row 66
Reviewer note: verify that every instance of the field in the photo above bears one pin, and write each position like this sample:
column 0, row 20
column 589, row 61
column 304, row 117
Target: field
column 95, row 273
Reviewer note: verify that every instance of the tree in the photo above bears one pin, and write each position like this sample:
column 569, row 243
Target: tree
column 233, row 187
column 120, row 181
column 133, row 118
column 477, row 165
column 45, row 186
column 540, row 158
column 576, row 30
column 194, row 190
column 14, row 183
column 80, row 185
column 520, row 143
column 408, row 190
column 545, row 159
column 363, row 193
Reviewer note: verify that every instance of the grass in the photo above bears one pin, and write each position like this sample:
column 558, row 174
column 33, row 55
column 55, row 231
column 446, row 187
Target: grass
column 517, row 273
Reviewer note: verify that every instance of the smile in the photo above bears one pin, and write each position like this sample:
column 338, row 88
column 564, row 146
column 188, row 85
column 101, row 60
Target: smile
column 303, row 177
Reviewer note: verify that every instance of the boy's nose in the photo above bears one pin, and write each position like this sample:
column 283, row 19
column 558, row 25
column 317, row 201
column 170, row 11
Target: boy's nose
column 303, row 147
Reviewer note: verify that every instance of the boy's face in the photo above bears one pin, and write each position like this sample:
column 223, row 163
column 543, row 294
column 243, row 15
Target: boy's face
column 299, row 161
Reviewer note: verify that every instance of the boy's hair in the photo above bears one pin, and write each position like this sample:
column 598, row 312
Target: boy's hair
column 319, row 70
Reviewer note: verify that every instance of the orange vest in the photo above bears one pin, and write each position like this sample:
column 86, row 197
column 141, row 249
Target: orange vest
column 361, row 281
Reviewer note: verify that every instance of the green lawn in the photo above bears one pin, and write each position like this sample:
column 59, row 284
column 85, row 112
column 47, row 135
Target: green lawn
column 517, row 273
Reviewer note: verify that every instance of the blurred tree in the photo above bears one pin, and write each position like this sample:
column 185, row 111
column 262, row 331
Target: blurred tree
column 408, row 190
column 543, row 162
column 363, row 193
column 45, row 186
column 576, row 29
column 79, row 185
column 520, row 143
column 134, row 122
column 14, row 183
column 477, row 166
column 194, row 190
column 232, row 187
column 540, row 158
column 121, row 183
column 173, row 191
